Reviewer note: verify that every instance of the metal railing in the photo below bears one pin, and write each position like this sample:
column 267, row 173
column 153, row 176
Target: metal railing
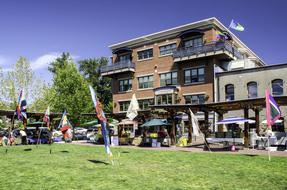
column 117, row 66
column 213, row 47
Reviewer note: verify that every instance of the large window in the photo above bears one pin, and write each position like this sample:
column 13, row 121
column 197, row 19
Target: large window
column 252, row 89
column 124, row 58
column 195, row 42
column 125, row 85
column 229, row 92
column 124, row 106
column 144, row 104
column 165, row 99
column 167, row 49
column 168, row 79
column 145, row 54
column 277, row 87
column 146, row 82
column 194, row 75
column 195, row 99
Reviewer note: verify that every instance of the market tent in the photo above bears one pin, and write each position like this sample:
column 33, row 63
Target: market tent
column 35, row 124
column 156, row 122
column 235, row 120
column 277, row 121
column 90, row 123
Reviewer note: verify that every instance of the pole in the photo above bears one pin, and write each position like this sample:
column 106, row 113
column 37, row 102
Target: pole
column 39, row 135
column 9, row 135
column 269, row 155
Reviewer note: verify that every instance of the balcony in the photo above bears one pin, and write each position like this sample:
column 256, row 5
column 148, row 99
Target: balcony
column 118, row 67
column 217, row 48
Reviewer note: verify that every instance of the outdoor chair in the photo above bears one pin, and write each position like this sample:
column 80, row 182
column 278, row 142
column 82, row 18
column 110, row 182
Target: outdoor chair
column 282, row 144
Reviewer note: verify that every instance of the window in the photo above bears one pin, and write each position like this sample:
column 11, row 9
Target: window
column 195, row 42
column 167, row 49
column 144, row 104
column 168, row 79
column 145, row 54
column 124, row 106
column 124, row 58
column 229, row 92
column 164, row 99
column 146, row 82
column 277, row 87
column 195, row 99
column 252, row 89
column 125, row 85
column 194, row 75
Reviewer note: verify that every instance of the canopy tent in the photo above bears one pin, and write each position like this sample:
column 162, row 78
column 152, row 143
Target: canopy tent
column 277, row 121
column 156, row 122
column 128, row 122
column 235, row 120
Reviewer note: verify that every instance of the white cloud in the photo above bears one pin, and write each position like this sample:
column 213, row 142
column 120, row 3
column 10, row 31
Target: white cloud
column 43, row 61
column 3, row 60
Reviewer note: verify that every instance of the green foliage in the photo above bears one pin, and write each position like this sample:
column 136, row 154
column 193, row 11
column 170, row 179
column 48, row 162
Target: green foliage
column 90, row 68
column 60, row 63
column 70, row 90
column 87, row 167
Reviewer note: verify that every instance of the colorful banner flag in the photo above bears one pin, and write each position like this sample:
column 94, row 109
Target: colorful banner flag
column 220, row 36
column 21, row 110
column 46, row 118
column 103, row 121
column 273, row 111
column 236, row 26
column 132, row 111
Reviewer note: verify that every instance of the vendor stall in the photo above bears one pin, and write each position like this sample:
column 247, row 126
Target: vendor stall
column 155, row 133
column 127, row 131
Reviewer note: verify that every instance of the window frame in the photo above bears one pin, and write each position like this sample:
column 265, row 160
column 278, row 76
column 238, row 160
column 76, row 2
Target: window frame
column 173, row 80
column 148, row 56
column 198, row 99
column 188, row 78
column 168, row 51
column 149, row 83
column 249, row 85
column 227, row 96
column 129, row 85
column 273, row 87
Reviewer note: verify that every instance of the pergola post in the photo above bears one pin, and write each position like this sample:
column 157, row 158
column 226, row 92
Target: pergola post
column 220, row 127
column 257, row 120
column 206, row 113
column 172, row 131
column 189, row 129
column 246, row 129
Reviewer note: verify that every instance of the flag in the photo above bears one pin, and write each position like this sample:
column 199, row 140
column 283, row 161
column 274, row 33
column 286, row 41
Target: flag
column 220, row 36
column 133, row 107
column 64, row 121
column 103, row 121
column 195, row 124
column 236, row 26
column 21, row 111
column 273, row 111
column 46, row 118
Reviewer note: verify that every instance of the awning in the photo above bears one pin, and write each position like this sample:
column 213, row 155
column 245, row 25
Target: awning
column 156, row 122
column 277, row 121
column 235, row 120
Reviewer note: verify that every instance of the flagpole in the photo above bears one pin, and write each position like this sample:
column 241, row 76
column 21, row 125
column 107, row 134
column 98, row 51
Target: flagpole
column 9, row 135
column 39, row 136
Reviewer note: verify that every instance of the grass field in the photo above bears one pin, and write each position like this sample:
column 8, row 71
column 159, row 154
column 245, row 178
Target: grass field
column 86, row 167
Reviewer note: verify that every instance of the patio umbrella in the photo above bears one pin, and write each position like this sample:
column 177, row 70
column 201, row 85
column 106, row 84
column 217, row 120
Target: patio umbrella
column 277, row 121
column 156, row 122
column 235, row 120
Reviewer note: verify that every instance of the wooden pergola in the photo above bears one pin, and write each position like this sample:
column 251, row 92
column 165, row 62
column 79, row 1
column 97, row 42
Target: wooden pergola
column 255, row 104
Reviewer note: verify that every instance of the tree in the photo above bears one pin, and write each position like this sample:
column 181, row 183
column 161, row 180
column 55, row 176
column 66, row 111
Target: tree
column 90, row 69
column 70, row 88
column 20, row 77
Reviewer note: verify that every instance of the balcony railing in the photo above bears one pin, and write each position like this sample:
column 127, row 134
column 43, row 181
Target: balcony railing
column 214, row 47
column 127, row 64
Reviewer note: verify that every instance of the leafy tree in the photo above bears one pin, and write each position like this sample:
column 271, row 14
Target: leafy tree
column 90, row 69
column 60, row 63
column 70, row 89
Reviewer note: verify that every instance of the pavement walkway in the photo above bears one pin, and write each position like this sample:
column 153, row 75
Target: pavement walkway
column 196, row 148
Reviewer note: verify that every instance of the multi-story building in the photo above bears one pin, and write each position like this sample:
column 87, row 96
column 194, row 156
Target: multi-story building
column 175, row 66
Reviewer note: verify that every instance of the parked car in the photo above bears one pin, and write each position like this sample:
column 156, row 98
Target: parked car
column 33, row 138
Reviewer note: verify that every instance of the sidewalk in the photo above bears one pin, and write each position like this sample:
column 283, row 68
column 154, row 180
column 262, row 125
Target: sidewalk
column 196, row 148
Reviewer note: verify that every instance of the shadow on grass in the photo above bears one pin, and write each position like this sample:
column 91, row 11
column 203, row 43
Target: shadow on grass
column 65, row 151
column 98, row 162
column 125, row 152
column 28, row 149
column 250, row 155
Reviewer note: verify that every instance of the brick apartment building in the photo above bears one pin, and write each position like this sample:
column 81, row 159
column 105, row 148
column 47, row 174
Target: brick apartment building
column 175, row 66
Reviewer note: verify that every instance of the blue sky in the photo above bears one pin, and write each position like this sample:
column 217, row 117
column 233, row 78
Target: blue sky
column 41, row 30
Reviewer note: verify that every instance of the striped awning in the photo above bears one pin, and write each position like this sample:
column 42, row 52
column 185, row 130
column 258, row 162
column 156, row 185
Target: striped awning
column 235, row 120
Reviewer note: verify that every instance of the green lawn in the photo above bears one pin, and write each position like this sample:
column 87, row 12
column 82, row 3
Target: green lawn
column 86, row 167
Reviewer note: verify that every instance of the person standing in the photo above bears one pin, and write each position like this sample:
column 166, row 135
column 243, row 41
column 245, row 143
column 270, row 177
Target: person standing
column 23, row 137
